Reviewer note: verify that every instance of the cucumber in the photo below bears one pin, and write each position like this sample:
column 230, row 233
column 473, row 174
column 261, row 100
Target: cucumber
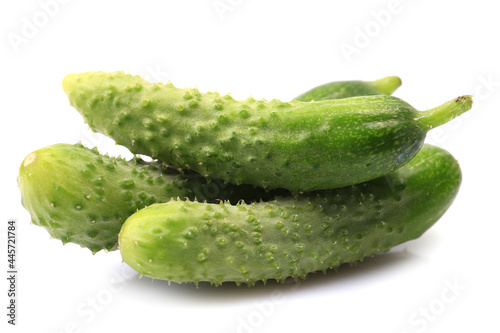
column 184, row 241
column 345, row 89
column 298, row 146
column 83, row 197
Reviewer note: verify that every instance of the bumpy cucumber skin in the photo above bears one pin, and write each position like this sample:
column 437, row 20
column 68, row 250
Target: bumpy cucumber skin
column 346, row 89
column 290, row 237
column 83, row 197
column 296, row 145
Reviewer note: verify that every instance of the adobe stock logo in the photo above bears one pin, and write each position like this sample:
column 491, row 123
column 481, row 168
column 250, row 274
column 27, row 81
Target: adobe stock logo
column 363, row 36
column 222, row 7
column 265, row 309
column 426, row 314
column 31, row 26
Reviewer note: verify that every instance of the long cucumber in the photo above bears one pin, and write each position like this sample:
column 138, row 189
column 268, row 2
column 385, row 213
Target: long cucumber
column 299, row 146
column 185, row 241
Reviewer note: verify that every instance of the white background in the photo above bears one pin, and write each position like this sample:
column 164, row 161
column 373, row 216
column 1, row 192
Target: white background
column 441, row 49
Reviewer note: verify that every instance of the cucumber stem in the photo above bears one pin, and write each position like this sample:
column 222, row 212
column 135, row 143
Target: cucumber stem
column 387, row 85
column 444, row 113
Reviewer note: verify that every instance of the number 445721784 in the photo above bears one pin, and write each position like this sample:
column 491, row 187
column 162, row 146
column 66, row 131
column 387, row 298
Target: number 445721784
column 11, row 244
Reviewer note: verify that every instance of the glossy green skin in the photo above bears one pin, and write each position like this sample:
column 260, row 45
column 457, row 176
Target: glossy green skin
column 296, row 145
column 290, row 237
column 345, row 89
column 83, row 197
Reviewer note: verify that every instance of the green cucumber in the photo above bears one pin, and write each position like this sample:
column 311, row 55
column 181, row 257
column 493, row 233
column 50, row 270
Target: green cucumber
column 298, row 146
column 184, row 241
column 345, row 89
column 83, row 197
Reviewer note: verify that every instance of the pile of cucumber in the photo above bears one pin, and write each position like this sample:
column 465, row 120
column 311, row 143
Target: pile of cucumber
column 243, row 191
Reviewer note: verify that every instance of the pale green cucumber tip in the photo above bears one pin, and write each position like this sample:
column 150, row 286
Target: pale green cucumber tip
column 387, row 85
column 68, row 83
